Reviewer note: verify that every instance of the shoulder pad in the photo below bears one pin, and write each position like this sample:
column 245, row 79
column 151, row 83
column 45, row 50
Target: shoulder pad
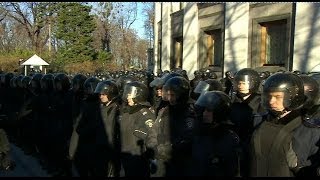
column 311, row 122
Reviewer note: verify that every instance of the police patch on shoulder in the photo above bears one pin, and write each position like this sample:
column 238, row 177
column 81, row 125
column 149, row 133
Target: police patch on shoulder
column 149, row 122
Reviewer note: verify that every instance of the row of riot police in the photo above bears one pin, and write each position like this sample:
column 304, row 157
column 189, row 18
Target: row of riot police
column 137, row 124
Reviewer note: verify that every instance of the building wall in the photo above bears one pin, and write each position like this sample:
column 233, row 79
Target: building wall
column 157, row 36
column 307, row 38
column 166, row 36
column 190, row 39
column 236, row 41
column 240, row 23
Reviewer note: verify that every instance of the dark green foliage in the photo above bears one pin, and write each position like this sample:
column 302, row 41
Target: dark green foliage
column 74, row 31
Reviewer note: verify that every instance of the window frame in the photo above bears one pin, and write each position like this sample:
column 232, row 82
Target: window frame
column 256, row 60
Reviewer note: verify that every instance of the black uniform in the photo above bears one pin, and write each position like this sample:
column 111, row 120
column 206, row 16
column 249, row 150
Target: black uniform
column 215, row 146
column 281, row 143
column 98, row 131
column 137, row 137
column 275, row 138
column 215, row 151
column 174, row 125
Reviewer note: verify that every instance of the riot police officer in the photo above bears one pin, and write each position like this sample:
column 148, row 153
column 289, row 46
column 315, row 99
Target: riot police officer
column 83, row 135
column 245, row 103
column 215, row 145
column 281, row 144
column 62, row 123
column 108, row 133
column 311, row 119
column 174, row 125
column 98, row 131
column 138, row 138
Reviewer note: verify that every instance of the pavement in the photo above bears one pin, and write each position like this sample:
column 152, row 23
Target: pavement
column 26, row 165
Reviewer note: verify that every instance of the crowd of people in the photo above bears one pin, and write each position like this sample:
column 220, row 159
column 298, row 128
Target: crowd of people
column 136, row 123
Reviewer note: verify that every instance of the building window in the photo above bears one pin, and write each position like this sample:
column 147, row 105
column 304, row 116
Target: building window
column 178, row 50
column 273, row 47
column 207, row 4
column 213, row 47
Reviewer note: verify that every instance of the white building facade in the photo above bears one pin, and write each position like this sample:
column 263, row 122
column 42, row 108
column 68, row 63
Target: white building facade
column 232, row 36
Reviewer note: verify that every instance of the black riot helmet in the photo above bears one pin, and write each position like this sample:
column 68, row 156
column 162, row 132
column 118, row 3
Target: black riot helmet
column 61, row 82
column 123, row 80
column 156, row 83
column 5, row 79
column 77, row 82
column 46, row 82
column 25, row 82
column 217, row 102
column 105, row 77
column 159, row 72
column 108, row 88
column 35, row 83
column 311, row 90
column 289, row 83
column 198, row 74
column 138, row 91
column 208, row 85
column 264, row 75
column 18, row 81
column 90, row 85
column 297, row 72
column 229, row 74
column 210, row 74
column 166, row 77
column 13, row 83
column 180, row 86
column 247, row 75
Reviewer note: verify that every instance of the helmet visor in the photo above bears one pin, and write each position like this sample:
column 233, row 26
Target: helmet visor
column 202, row 86
column 129, row 92
column 242, row 83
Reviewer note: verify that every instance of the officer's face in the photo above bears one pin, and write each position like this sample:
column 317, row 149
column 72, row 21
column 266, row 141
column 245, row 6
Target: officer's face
column 159, row 92
column 75, row 87
column 103, row 98
column 207, row 116
column 130, row 100
column 275, row 100
column 243, row 86
column 172, row 98
column 58, row 86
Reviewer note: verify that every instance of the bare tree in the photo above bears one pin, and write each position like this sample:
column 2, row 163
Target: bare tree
column 33, row 18
column 127, row 15
column 148, row 11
